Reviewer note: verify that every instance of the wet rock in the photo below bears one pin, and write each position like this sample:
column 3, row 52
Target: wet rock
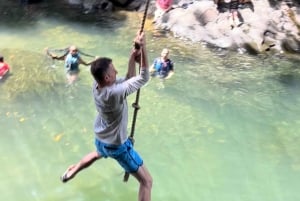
column 291, row 45
column 75, row 2
column 93, row 6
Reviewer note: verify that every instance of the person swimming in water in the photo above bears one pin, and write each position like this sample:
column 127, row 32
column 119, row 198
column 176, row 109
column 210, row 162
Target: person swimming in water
column 163, row 66
column 4, row 67
column 72, row 60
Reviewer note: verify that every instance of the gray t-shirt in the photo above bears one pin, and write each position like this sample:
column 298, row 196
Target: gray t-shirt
column 111, row 122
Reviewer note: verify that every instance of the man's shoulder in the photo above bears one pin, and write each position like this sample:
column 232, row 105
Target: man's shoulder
column 120, row 80
column 157, row 59
column 68, row 56
column 170, row 61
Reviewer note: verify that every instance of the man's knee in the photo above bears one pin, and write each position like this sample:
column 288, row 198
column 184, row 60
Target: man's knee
column 148, row 181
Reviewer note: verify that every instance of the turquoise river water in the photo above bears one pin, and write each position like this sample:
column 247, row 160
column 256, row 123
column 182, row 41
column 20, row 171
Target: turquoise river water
column 225, row 127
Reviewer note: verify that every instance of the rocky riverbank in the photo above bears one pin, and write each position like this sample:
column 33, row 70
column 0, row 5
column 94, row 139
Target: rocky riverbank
column 265, row 25
column 262, row 27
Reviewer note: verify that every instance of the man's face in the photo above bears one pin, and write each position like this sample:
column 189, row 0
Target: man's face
column 73, row 50
column 111, row 74
column 165, row 53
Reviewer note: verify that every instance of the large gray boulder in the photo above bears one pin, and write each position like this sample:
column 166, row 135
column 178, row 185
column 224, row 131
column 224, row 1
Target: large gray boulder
column 263, row 27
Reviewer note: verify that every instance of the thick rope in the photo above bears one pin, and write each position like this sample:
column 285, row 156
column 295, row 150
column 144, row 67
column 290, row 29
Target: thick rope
column 135, row 105
column 66, row 51
column 85, row 54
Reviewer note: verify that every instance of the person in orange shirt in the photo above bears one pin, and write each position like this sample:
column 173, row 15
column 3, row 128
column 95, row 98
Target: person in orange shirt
column 4, row 67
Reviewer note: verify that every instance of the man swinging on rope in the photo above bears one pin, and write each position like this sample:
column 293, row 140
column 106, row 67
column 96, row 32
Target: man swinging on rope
column 110, row 126
column 72, row 60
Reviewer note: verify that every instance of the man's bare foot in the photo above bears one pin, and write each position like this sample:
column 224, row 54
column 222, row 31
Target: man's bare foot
column 68, row 174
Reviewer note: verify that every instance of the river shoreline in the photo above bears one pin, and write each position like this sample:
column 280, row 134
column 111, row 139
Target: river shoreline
column 251, row 38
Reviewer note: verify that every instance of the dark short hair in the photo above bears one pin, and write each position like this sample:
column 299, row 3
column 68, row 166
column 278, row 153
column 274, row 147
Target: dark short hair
column 99, row 68
column 1, row 58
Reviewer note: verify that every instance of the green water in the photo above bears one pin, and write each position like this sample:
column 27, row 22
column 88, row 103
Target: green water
column 225, row 127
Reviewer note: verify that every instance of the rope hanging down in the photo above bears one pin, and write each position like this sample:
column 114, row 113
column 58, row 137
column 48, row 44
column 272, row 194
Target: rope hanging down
column 135, row 105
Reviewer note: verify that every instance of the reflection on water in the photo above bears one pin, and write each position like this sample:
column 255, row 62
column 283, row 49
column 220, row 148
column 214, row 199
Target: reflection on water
column 226, row 125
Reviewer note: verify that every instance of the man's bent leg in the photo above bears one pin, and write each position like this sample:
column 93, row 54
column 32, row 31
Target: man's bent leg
column 85, row 162
column 144, row 178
